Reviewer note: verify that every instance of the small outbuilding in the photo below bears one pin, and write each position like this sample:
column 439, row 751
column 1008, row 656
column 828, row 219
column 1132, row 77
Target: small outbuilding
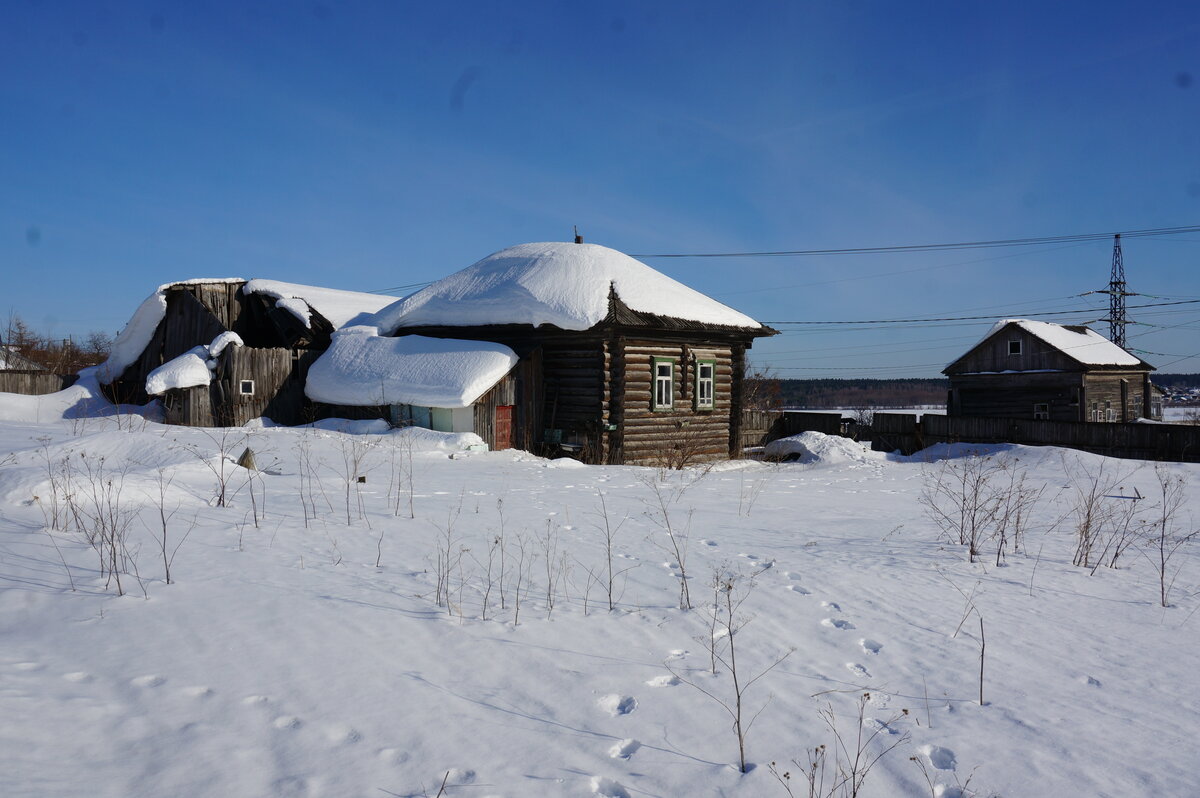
column 1039, row 370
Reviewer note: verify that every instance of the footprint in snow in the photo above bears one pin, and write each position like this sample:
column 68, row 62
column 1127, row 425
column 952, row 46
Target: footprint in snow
column 199, row 691
column 940, row 758
column 837, row 623
column 27, row 666
column 607, row 788
column 870, row 646
column 711, row 543
column 255, row 700
column 624, row 749
column 666, row 680
column 78, row 676
column 797, row 589
column 459, row 776
column 341, row 734
column 677, row 653
column 393, row 756
column 287, row 722
column 616, row 704
column 150, row 680
column 858, row 670
column 750, row 557
column 831, row 606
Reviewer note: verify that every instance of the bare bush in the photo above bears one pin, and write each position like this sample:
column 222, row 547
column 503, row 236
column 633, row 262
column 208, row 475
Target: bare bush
column 1102, row 516
column 731, row 593
column 609, row 536
column 963, row 498
column 857, row 747
column 1166, row 538
column 674, row 541
column 226, row 440
column 104, row 516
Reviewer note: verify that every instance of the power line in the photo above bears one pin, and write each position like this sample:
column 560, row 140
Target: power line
column 974, row 318
column 1005, row 242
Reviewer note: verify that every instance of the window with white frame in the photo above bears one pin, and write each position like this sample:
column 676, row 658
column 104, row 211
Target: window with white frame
column 1095, row 416
column 664, row 383
column 705, row 378
column 1110, row 415
column 1041, row 411
column 246, row 387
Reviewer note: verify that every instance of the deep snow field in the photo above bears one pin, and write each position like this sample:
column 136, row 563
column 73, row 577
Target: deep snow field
column 320, row 658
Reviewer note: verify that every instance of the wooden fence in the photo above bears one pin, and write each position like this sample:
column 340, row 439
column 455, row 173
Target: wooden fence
column 760, row 427
column 889, row 432
column 1168, row 442
column 34, row 382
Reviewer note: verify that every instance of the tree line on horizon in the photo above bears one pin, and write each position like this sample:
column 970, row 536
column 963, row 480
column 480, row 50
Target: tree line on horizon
column 56, row 355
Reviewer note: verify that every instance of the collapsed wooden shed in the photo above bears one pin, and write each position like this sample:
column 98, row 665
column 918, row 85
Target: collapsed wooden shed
column 219, row 352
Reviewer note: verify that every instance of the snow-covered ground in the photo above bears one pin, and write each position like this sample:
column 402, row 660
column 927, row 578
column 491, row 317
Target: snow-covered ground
column 309, row 656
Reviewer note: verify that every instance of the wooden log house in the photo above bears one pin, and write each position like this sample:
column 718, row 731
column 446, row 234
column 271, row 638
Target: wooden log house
column 1025, row 369
column 617, row 362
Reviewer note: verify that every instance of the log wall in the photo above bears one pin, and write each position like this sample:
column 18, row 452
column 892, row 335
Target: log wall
column 681, row 434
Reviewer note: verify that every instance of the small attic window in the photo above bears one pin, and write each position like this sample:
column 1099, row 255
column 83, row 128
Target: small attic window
column 246, row 387
column 1014, row 347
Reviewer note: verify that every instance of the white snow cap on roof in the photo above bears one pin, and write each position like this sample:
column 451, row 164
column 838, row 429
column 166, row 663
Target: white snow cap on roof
column 341, row 308
column 557, row 283
column 1081, row 343
column 361, row 368
column 194, row 367
column 132, row 340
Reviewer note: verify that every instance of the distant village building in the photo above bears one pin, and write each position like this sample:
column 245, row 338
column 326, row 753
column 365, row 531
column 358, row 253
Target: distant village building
column 20, row 374
column 1038, row 370
column 12, row 360
column 554, row 347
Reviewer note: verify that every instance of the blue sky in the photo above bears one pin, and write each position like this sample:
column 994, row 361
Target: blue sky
column 371, row 145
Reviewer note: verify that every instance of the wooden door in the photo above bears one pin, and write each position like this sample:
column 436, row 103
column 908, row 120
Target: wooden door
column 504, row 427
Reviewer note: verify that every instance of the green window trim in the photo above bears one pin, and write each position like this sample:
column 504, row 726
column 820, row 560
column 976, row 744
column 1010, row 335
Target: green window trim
column 705, row 395
column 662, row 384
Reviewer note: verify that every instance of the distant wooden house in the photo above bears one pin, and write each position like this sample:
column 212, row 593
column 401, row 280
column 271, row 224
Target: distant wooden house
column 223, row 351
column 611, row 361
column 1038, row 370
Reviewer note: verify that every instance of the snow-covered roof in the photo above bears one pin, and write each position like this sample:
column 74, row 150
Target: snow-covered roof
column 186, row 371
column 1079, row 343
column 132, row 340
column 194, row 367
column 340, row 308
column 362, row 368
column 563, row 284
column 13, row 360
